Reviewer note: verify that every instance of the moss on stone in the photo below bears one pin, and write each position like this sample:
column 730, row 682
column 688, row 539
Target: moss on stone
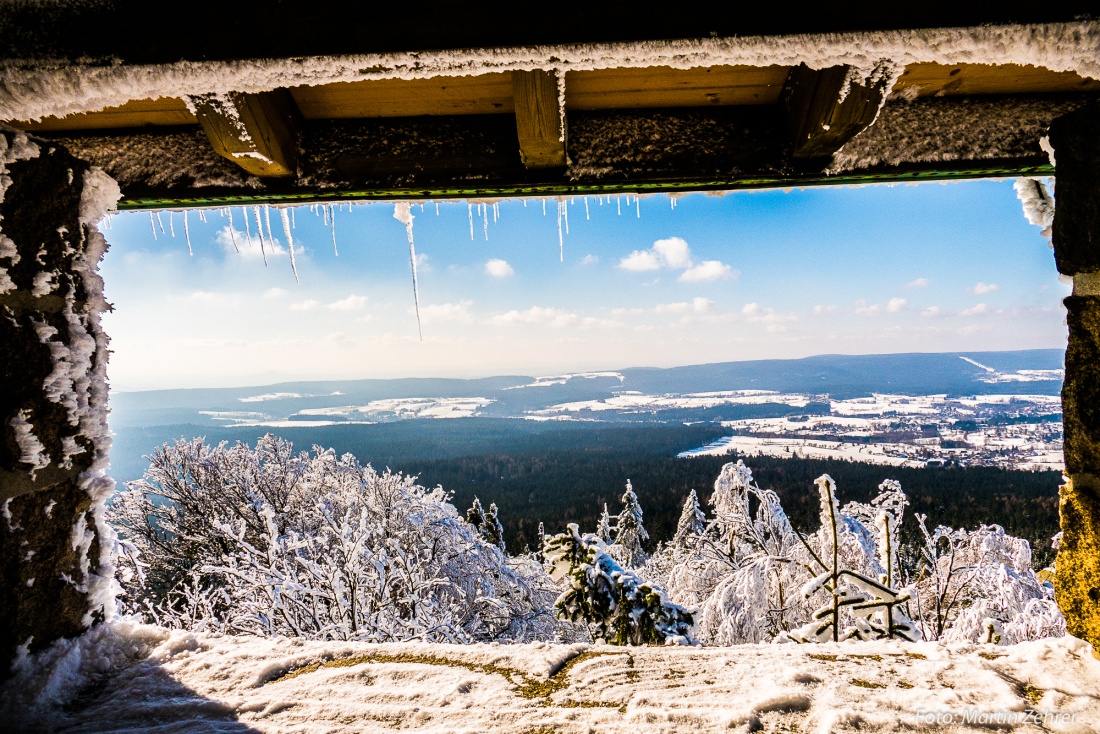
column 1077, row 581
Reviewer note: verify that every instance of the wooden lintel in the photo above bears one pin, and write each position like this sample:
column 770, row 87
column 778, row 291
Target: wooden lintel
column 255, row 131
column 825, row 108
column 540, row 122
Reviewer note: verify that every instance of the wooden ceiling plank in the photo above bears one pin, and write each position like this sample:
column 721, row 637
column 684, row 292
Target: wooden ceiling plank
column 540, row 119
column 819, row 119
column 459, row 95
column 663, row 86
column 163, row 111
column 963, row 79
column 255, row 131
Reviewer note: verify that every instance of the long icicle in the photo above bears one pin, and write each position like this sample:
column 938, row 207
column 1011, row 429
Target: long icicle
column 267, row 218
column 565, row 209
column 331, row 217
column 289, row 241
column 561, row 242
column 172, row 224
column 586, row 208
column 187, row 234
column 232, row 233
column 402, row 214
column 160, row 222
column 260, row 232
column 153, row 226
column 485, row 220
column 247, row 227
column 470, row 214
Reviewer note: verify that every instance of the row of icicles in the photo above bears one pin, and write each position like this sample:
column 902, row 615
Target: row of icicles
column 259, row 216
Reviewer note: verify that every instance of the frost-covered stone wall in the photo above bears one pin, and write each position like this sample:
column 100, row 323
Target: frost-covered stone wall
column 55, row 570
column 1076, row 140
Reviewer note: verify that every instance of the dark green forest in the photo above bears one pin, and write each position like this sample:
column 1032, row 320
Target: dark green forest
column 561, row 487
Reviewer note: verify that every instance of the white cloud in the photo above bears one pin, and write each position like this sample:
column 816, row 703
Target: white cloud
column 707, row 270
column 639, row 261
column 590, row 260
column 975, row 310
column 932, row 312
column 498, row 268
column 351, row 303
column 304, row 305
column 552, row 317
column 275, row 293
column 696, row 305
column 442, row 312
column 865, row 309
column 982, row 288
column 422, row 261
column 896, row 304
column 674, row 253
column 757, row 314
column 918, row 283
column 821, row 308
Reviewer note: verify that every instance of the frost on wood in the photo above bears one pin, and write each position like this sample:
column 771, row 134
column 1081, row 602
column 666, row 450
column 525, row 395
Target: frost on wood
column 55, row 395
column 34, row 91
column 1038, row 203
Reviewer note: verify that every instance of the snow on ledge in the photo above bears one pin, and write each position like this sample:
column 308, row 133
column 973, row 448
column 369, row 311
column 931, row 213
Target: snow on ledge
column 33, row 90
column 214, row 683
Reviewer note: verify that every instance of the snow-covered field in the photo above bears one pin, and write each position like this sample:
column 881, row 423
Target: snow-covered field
column 128, row 678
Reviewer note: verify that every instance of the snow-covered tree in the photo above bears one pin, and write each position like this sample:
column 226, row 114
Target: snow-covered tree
column 615, row 603
column 630, row 534
column 267, row 541
column 475, row 515
column 491, row 529
column 603, row 528
column 692, row 524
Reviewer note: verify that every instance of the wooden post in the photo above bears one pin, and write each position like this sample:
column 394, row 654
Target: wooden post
column 1076, row 141
column 540, row 119
column 825, row 108
column 56, row 565
column 255, row 131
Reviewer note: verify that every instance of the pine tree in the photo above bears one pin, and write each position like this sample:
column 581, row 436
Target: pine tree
column 629, row 532
column 603, row 530
column 491, row 529
column 540, row 552
column 692, row 524
column 475, row 515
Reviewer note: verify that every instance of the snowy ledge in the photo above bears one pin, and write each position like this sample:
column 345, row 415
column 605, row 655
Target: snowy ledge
column 127, row 676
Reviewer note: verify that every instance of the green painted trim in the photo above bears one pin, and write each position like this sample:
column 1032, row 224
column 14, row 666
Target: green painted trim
column 581, row 188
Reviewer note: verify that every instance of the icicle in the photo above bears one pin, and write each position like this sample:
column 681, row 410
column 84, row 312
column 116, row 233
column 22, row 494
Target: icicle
column 422, row 206
column 525, row 203
column 160, row 222
column 586, row 209
column 247, row 228
column 293, row 224
column 496, row 212
column 544, row 207
column 202, row 216
column 619, row 203
column 267, row 219
column 437, row 208
column 561, row 242
column 565, row 210
column 470, row 213
column 331, row 217
column 172, row 224
column 638, row 206
column 232, row 234
column 187, row 234
column 289, row 241
column 324, row 212
column 153, row 226
column 402, row 214
column 485, row 221
column 260, row 232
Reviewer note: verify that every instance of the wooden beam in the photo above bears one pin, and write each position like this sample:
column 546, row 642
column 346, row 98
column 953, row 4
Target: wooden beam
column 255, row 131
column 540, row 119
column 825, row 108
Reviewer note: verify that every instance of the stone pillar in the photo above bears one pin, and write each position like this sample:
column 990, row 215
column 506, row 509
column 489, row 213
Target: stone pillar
column 56, row 572
column 1076, row 141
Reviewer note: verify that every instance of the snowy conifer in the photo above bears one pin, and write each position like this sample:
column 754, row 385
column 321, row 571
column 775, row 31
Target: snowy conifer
column 692, row 524
column 491, row 529
column 475, row 515
column 603, row 530
column 629, row 532
column 615, row 603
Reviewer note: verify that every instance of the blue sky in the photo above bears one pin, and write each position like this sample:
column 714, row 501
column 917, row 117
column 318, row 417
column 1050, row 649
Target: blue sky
column 746, row 275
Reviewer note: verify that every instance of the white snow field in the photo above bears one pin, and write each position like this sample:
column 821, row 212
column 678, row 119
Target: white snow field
column 124, row 677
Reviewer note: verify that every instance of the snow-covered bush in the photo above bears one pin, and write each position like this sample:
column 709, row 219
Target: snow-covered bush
column 615, row 603
column 753, row 578
column 630, row 534
column 267, row 541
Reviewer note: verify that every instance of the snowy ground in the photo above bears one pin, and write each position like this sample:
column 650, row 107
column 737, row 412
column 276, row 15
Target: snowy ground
column 138, row 678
